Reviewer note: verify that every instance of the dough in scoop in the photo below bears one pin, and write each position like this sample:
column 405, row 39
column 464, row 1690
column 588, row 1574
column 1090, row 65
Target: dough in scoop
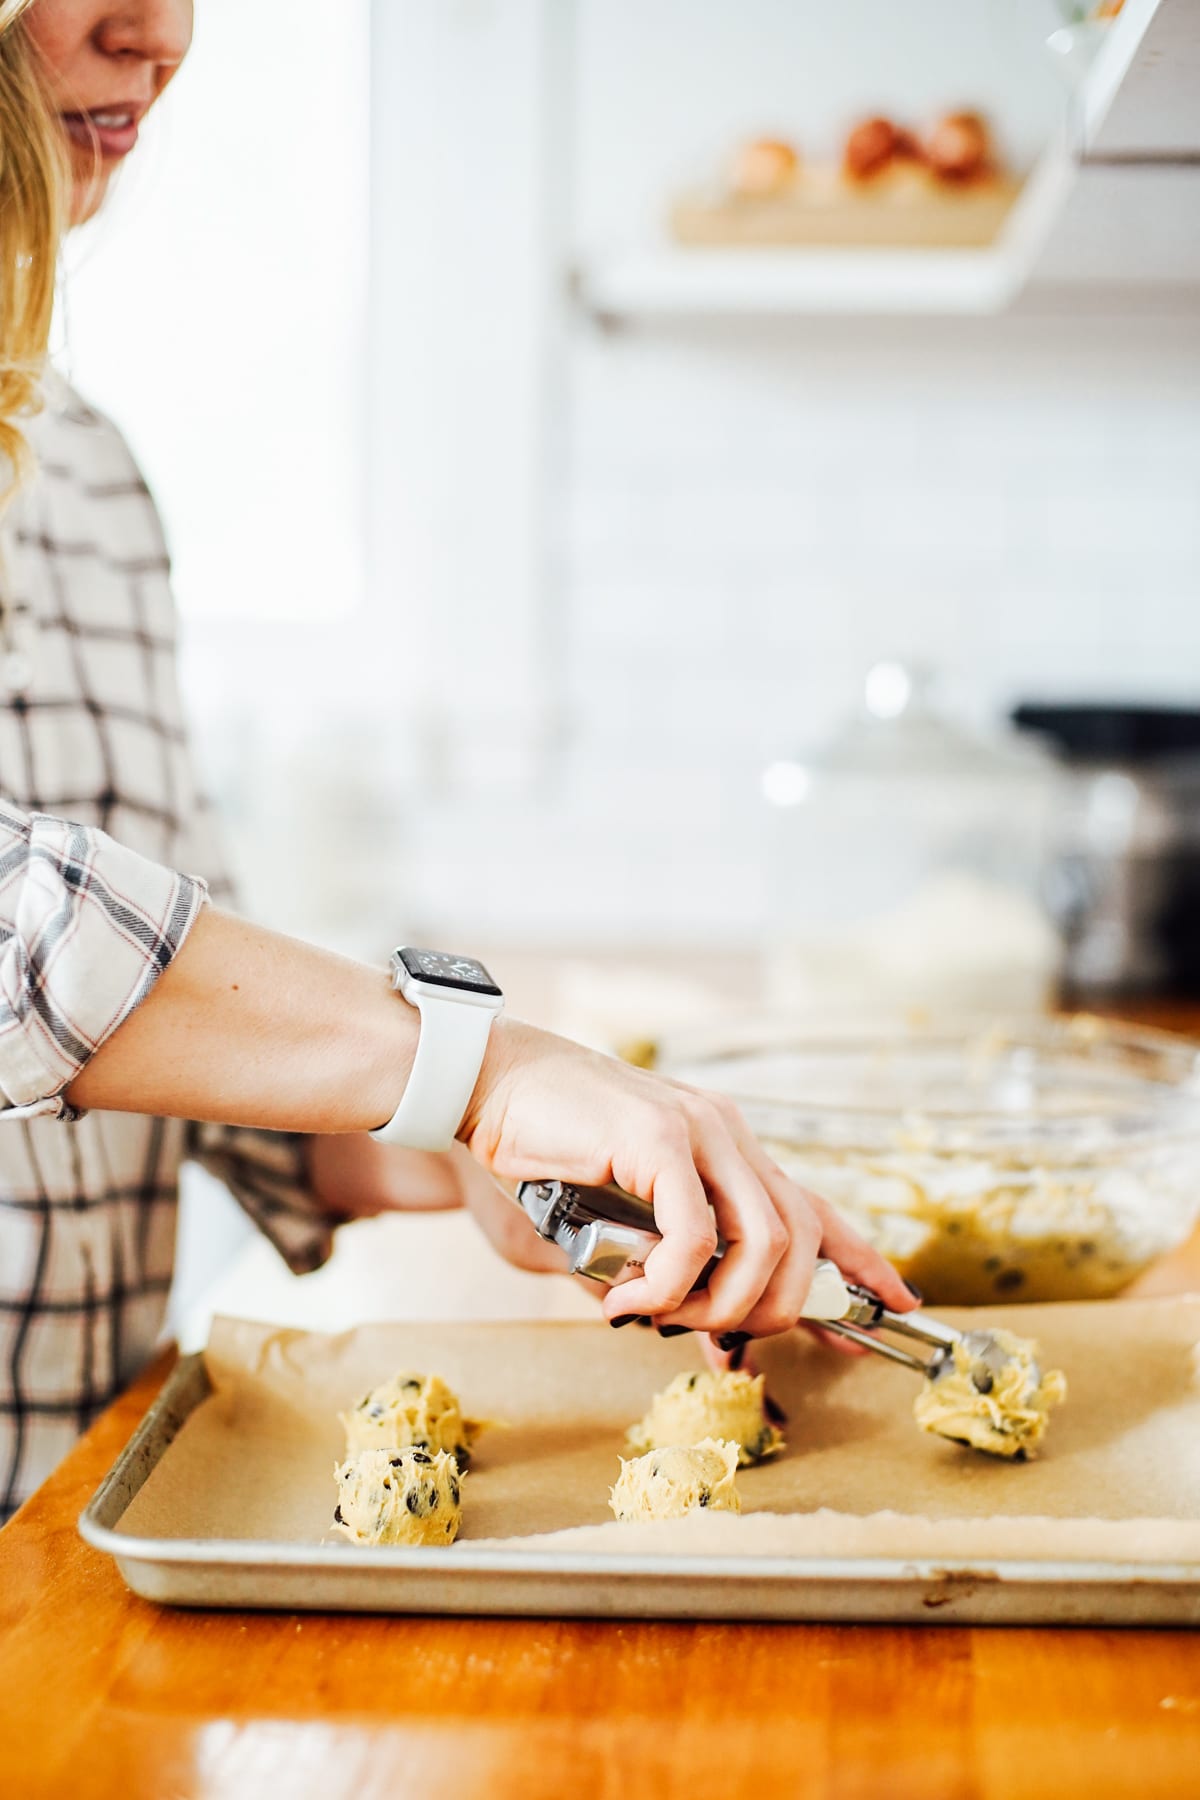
column 704, row 1404
column 411, row 1410
column 1010, row 1419
column 399, row 1497
column 668, row 1483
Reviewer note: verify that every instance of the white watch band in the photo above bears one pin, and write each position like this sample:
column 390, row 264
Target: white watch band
column 450, row 1052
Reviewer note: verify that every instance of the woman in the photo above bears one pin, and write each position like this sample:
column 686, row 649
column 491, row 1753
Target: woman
column 140, row 1024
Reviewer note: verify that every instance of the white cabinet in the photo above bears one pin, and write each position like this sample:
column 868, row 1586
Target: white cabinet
column 1129, row 176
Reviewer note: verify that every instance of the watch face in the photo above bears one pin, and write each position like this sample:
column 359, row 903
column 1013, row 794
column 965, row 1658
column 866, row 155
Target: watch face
column 443, row 969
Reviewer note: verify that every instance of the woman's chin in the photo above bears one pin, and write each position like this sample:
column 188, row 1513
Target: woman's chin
column 87, row 195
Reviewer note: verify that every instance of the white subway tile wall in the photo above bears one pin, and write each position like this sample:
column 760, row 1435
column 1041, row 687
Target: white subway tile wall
column 754, row 516
column 750, row 518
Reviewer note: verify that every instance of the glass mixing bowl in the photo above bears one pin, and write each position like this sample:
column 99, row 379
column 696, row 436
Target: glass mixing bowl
column 1049, row 1160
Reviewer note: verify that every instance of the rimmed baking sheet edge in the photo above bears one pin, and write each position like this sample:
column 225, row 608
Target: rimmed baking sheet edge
column 258, row 1575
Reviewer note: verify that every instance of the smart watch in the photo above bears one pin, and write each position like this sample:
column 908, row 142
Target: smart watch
column 457, row 1000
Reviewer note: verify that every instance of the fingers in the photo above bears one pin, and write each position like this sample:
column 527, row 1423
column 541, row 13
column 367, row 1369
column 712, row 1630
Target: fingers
column 718, row 1360
column 689, row 1237
column 838, row 1240
column 773, row 1231
column 781, row 1307
column 559, row 1110
column 858, row 1262
column 758, row 1246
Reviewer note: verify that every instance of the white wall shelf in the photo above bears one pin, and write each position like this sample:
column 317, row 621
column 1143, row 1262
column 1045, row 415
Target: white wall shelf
column 680, row 283
column 1115, row 202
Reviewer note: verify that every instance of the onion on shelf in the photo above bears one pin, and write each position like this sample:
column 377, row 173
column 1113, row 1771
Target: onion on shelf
column 764, row 168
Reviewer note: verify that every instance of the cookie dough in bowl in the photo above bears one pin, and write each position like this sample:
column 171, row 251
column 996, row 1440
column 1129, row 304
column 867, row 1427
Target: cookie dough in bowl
column 702, row 1404
column 399, row 1497
column 411, row 1410
column 670, row 1483
column 989, row 1160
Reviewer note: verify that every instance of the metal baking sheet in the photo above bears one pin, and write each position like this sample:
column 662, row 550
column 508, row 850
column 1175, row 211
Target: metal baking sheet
column 534, row 1582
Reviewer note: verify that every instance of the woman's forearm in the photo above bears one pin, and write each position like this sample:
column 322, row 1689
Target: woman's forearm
column 249, row 1027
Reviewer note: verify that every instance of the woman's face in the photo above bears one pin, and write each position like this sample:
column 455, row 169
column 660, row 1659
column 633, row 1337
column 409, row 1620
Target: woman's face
column 105, row 63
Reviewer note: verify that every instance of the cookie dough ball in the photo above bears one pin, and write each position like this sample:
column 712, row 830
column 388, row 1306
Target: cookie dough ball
column 666, row 1484
column 709, row 1405
column 399, row 1497
column 411, row 1410
column 1004, row 1413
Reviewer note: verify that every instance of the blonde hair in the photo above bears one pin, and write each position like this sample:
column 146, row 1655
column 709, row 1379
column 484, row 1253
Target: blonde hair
column 32, row 189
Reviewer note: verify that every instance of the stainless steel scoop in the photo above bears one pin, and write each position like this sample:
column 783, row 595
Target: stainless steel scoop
column 607, row 1235
column 867, row 1315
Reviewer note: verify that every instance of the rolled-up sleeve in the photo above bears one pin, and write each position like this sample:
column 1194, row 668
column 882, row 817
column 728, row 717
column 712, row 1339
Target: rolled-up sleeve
column 86, row 928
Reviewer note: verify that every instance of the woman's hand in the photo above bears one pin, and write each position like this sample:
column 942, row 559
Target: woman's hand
column 354, row 1175
column 547, row 1108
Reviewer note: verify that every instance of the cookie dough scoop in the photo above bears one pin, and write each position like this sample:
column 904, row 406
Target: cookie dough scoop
column 607, row 1235
column 983, row 1389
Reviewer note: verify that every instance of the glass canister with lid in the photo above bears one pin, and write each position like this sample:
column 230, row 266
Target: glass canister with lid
column 906, row 863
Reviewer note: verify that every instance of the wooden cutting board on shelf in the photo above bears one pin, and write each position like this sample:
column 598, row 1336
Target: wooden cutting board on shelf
column 900, row 210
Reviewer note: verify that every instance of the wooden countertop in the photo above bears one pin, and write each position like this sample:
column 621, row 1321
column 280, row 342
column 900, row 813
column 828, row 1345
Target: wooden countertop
column 105, row 1694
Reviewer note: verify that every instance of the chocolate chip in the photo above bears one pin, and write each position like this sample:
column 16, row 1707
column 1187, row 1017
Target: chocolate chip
column 422, row 1457
column 337, row 1516
column 455, row 1490
column 397, row 1462
column 1010, row 1280
column 705, row 1496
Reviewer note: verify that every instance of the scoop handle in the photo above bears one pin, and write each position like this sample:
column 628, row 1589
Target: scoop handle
column 608, row 1234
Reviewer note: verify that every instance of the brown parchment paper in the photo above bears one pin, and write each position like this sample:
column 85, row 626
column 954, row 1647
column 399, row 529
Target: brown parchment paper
column 1119, row 1479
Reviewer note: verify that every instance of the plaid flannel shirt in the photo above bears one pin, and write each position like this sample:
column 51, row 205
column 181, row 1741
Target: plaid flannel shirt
column 99, row 813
